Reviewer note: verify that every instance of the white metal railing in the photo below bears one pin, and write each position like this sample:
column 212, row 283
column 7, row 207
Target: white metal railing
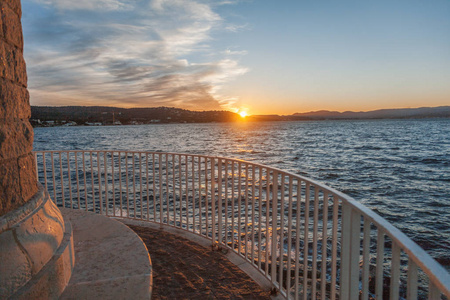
column 310, row 241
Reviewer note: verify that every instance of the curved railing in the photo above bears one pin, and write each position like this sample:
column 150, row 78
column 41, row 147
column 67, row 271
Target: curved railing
column 310, row 241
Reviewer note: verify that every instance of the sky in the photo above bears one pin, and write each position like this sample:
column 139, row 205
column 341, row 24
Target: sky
column 260, row 56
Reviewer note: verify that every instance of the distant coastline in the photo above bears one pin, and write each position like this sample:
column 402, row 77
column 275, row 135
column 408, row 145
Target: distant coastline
column 46, row 116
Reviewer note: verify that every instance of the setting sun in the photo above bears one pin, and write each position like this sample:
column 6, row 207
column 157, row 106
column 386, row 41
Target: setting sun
column 243, row 114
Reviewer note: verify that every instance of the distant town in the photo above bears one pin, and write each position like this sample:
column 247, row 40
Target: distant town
column 47, row 116
column 101, row 115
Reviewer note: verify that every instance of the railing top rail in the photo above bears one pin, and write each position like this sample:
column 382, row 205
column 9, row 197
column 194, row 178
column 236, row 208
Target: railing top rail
column 437, row 274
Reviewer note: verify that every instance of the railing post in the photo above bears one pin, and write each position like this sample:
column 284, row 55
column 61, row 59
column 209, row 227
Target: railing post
column 69, row 178
column 354, row 254
column 274, row 226
column 344, row 292
column 206, row 198
column 180, row 178
column 219, row 198
column 315, row 240
column 78, row 180
column 160, row 190
column 239, row 190
column 193, row 190
column 61, row 180
column 120, row 184
column 133, row 170
column 395, row 272
column 412, row 280
column 45, row 171
column 37, row 168
column 366, row 260
column 113, row 184
column 53, row 177
column 379, row 266
column 213, row 199
column 334, row 246
column 99, row 178
column 186, row 173
column 105, row 160
column 306, row 241
column 323, row 279
column 351, row 230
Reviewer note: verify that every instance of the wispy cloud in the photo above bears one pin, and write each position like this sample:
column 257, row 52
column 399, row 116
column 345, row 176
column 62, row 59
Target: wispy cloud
column 235, row 52
column 131, row 53
column 236, row 27
column 88, row 4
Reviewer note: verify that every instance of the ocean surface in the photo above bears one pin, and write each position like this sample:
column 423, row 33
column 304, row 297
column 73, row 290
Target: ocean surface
column 398, row 168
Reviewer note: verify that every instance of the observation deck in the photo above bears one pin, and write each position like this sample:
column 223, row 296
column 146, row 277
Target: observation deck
column 291, row 234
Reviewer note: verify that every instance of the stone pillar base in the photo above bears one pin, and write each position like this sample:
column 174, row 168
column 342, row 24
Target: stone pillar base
column 36, row 250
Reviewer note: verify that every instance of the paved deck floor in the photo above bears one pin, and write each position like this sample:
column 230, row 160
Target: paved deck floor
column 185, row 270
column 110, row 260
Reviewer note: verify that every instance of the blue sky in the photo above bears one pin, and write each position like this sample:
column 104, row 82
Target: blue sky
column 261, row 56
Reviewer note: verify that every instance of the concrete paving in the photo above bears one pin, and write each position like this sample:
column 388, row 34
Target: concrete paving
column 112, row 262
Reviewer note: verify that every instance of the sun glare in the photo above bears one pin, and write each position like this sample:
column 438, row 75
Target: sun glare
column 243, row 114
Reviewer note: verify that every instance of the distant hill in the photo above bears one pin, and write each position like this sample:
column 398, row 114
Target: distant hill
column 422, row 112
column 83, row 115
column 106, row 115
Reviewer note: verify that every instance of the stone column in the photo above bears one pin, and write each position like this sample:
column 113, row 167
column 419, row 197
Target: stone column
column 17, row 169
column 36, row 243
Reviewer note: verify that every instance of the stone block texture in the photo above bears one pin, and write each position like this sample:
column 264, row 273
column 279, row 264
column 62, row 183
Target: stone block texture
column 12, row 28
column 17, row 168
column 36, row 250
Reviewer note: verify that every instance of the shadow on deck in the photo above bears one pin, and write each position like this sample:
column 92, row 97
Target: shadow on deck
column 183, row 269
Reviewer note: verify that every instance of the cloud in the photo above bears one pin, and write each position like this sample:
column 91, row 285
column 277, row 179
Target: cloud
column 134, row 54
column 88, row 4
column 236, row 27
column 235, row 52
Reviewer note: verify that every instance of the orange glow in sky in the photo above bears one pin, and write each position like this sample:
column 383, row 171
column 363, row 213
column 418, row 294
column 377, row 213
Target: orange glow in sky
column 243, row 114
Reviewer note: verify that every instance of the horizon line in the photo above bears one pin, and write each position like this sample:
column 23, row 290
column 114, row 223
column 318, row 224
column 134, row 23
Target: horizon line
column 249, row 115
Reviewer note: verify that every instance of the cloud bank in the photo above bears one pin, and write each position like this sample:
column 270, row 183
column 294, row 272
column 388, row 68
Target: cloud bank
column 127, row 53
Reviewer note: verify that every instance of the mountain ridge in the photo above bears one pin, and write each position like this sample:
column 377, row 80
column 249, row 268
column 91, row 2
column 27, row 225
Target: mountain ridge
column 420, row 112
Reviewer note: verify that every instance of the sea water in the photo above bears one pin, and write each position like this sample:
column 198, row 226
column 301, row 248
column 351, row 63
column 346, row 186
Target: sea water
column 398, row 168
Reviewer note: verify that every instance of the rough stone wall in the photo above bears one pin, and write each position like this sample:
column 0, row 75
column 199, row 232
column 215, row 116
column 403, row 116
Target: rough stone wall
column 17, row 169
